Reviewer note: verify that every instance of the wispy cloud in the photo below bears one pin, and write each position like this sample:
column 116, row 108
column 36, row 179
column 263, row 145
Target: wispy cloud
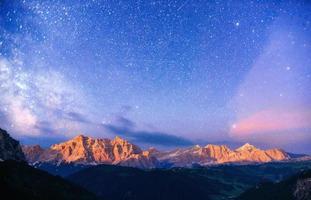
column 76, row 117
column 44, row 128
column 37, row 102
column 272, row 120
column 125, row 127
column 271, row 103
column 275, row 128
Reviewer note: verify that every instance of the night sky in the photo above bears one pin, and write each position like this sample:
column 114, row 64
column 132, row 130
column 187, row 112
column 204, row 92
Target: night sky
column 158, row 73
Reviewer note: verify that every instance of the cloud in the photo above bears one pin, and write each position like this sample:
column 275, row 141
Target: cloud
column 74, row 116
column 126, row 109
column 12, row 98
column 44, row 127
column 272, row 120
column 29, row 98
column 21, row 117
column 125, row 127
column 124, row 122
column 44, row 140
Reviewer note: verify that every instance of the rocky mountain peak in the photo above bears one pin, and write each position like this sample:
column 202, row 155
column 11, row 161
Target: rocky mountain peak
column 10, row 148
column 36, row 148
column 217, row 147
column 217, row 154
column 153, row 150
column 32, row 153
column 119, row 140
column 87, row 150
column 80, row 137
column 247, row 147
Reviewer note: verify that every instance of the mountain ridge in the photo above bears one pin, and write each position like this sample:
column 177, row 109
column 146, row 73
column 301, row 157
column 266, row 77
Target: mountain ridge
column 221, row 154
column 86, row 150
column 92, row 151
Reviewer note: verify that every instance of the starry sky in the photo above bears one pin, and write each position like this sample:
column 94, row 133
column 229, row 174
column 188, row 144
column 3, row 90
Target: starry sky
column 158, row 73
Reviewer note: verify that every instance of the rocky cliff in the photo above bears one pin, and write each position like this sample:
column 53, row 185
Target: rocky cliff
column 219, row 154
column 10, row 149
column 86, row 150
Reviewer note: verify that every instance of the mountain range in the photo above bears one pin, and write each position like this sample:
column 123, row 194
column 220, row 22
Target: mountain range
column 220, row 154
column 90, row 151
column 90, row 179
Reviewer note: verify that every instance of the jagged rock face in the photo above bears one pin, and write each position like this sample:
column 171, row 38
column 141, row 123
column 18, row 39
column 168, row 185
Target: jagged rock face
column 183, row 157
column 86, row 150
column 10, row 149
column 218, row 154
column 303, row 189
column 32, row 153
column 249, row 153
column 143, row 160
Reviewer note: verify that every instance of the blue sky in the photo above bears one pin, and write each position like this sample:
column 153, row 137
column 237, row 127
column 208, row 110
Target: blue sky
column 159, row 73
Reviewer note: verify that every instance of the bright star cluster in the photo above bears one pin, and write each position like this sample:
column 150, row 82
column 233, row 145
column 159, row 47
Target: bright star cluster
column 178, row 72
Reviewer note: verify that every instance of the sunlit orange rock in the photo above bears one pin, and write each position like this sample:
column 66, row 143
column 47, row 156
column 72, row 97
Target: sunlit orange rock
column 219, row 154
column 86, row 150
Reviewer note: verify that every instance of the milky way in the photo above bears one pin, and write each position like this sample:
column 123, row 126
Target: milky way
column 159, row 73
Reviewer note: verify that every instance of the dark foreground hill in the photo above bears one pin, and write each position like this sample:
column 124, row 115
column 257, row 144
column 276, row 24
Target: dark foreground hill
column 20, row 181
column 123, row 183
column 297, row 187
column 218, row 182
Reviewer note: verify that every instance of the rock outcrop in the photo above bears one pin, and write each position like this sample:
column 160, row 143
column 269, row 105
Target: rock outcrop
column 303, row 189
column 33, row 153
column 10, row 148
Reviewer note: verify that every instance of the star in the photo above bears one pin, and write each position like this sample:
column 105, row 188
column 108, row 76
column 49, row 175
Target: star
column 183, row 66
